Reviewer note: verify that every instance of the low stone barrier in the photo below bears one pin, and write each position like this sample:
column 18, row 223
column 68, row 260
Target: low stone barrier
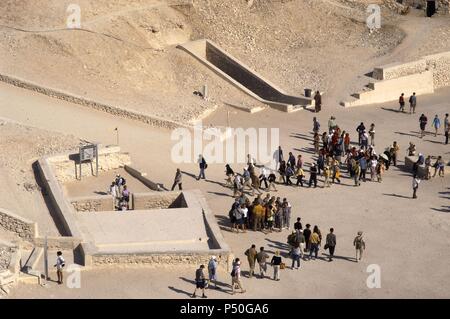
column 97, row 203
column 143, row 201
column 23, row 227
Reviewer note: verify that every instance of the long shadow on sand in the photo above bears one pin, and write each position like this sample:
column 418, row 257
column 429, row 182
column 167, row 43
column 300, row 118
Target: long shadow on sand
column 340, row 257
column 397, row 195
column 219, row 283
column 444, row 209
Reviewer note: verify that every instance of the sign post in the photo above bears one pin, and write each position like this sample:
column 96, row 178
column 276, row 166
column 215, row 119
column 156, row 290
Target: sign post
column 87, row 154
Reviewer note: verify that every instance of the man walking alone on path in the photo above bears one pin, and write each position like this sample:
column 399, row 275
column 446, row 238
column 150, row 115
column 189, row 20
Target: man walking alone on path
column 177, row 180
column 446, row 127
column 401, row 101
column 200, row 282
column 423, row 123
column 331, row 243
column 202, row 165
column 360, row 245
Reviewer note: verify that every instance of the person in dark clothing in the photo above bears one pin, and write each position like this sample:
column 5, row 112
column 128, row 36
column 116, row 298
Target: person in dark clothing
column 360, row 129
column 200, row 281
column 307, row 234
column 282, row 171
column 423, row 123
column 313, row 175
column 177, row 180
column 298, row 224
column 331, row 243
column 291, row 160
column 318, row 102
column 401, row 101
column 202, row 165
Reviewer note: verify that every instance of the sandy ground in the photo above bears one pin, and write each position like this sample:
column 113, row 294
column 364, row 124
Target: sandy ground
column 404, row 237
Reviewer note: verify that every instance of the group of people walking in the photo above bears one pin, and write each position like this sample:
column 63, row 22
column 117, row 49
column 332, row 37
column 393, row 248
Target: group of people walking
column 120, row 193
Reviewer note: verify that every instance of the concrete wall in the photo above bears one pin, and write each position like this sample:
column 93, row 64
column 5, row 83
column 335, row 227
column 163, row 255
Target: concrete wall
column 97, row 203
column 109, row 157
column 141, row 176
column 243, row 77
column 23, row 227
column 144, row 201
column 396, row 70
column 61, row 206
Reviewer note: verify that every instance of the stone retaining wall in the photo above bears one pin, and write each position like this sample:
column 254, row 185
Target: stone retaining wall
column 144, row 201
column 24, row 228
column 396, row 70
column 163, row 259
column 73, row 98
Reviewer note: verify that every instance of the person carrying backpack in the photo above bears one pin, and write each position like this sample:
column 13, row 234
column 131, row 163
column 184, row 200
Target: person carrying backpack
column 203, row 166
column 60, row 263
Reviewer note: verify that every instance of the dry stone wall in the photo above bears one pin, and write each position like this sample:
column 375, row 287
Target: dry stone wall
column 93, row 204
column 145, row 201
column 24, row 228
column 440, row 64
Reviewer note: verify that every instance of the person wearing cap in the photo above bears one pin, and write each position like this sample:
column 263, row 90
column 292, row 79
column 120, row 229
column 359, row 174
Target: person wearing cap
column 200, row 281
column 177, row 180
column 360, row 245
column 212, row 270
column 236, row 277
column 313, row 175
column 331, row 243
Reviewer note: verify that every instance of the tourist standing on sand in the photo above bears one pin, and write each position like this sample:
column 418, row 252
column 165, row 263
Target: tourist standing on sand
column 356, row 171
column 298, row 224
column 318, row 102
column 316, row 125
column 372, row 134
column 313, row 175
column 177, row 180
column 113, row 192
column 212, row 271
column 423, row 123
column 412, row 103
column 360, row 245
column 331, row 243
column 236, row 276
column 401, row 101
column 360, row 129
column 203, row 166
column 272, row 178
column 60, row 263
column 276, row 262
column 229, row 173
column 436, row 124
column 395, row 150
column 314, row 243
column 251, row 257
column 261, row 258
column 286, row 213
column 296, row 255
column 307, row 234
column 439, row 167
column 446, row 127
